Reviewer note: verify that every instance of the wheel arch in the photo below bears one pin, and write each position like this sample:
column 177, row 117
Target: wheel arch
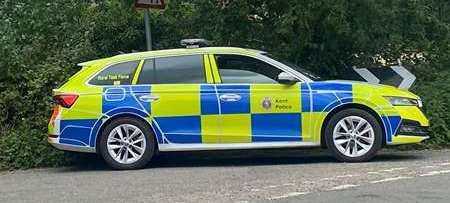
column 124, row 115
column 350, row 106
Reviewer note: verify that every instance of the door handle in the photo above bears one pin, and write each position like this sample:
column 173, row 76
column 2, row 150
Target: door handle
column 148, row 98
column 230, row 97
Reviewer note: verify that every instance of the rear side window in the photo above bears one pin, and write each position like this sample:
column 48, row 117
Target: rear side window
column 118, row 74
column 147, row 75
column 173, row 70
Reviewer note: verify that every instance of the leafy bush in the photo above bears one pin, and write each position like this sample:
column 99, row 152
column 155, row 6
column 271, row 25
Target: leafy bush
column 41, row 42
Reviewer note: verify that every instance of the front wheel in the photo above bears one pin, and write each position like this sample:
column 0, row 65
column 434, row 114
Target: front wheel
column 127, row 143
column 353, row 135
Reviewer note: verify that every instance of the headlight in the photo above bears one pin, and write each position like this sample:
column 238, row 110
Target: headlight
column 402, row 101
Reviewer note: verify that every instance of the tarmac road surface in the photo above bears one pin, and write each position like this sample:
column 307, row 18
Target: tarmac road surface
column 291, row 175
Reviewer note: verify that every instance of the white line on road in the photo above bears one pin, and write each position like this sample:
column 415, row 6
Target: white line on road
column 432, row 173
column 387, row 170
column 292, row 194
column 391, row 179
column 428, row 166
column 445, row 164
column 343, row 187
column 346, row 176
column 394, row 169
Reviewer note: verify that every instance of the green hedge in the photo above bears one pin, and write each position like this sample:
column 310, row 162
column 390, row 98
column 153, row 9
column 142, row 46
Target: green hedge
column 41, row 42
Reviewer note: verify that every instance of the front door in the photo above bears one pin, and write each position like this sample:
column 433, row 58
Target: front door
column 254, row 107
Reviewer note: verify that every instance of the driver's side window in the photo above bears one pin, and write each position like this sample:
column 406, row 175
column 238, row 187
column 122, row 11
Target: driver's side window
column 244, row 69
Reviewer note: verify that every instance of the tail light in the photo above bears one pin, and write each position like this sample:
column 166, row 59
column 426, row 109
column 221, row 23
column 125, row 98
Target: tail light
column 65, row 100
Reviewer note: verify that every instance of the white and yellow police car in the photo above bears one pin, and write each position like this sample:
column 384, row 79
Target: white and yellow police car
column 130, row 106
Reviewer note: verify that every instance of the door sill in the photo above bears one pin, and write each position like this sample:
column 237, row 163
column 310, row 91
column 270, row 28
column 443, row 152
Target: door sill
column 253, row 145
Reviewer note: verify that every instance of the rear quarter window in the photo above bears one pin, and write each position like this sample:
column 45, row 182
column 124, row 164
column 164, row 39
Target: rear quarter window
column 173, row 70
column 118, row 74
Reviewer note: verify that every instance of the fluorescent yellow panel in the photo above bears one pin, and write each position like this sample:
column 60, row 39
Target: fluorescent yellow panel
column 86, row 107
column 369, row 95
column 412, row 113
column 236, row 128
column 366, row 93
column 210, row 129
column 78, row 82
column 283, row 98
column 403, row 139
column 393, row 91
column 312, row 126
column 176, row 100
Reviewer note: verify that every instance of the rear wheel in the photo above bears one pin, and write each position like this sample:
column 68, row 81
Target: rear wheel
column 353, row 135
column 127, row 143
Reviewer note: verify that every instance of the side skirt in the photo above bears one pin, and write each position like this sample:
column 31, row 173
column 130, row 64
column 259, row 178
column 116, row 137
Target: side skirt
column 262, row 145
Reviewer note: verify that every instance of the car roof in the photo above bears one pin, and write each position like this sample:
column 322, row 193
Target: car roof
column 172, row 52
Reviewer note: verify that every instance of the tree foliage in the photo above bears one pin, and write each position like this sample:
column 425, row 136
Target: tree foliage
column 42, row 41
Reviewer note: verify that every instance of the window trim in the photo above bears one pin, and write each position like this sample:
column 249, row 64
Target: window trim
column 86, row 82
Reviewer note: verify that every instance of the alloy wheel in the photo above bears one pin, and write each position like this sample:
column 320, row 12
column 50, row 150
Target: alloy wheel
column 126, row 144
column 353, row 136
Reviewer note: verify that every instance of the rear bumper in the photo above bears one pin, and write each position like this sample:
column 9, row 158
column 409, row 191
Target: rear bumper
column 54, row 141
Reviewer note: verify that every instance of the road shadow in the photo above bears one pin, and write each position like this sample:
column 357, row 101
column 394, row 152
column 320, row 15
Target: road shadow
column 232, row 158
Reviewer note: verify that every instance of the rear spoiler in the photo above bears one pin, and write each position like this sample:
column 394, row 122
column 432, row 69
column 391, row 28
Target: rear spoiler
column 89, row 63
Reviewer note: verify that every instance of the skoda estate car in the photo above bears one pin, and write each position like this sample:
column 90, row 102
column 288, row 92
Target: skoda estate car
column 129, row 107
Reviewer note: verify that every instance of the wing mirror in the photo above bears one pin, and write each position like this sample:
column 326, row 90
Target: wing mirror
column 286, row 78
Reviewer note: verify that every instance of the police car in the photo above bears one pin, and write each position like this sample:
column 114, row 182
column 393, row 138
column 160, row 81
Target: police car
column 129, row 107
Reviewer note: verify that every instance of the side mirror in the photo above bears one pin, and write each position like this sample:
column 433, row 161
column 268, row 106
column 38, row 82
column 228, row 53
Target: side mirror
column 286, row 78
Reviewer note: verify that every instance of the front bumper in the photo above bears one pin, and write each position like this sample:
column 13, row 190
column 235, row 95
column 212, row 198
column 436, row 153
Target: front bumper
column 413, row 127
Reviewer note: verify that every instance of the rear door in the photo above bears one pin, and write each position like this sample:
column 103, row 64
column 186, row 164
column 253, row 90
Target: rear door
column 182, row 102
column 254, row 107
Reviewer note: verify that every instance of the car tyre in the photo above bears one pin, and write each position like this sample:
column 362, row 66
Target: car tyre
column 127, row 143
column 353, row 135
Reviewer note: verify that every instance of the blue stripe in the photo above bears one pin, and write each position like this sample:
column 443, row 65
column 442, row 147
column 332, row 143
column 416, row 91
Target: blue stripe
column 276, row 127
column 237, row 107
column 71, row 142
column 336, row 93
column 139, row 91
column 209, row 102
column 121, row 97
column 95, row 131
column 323, row 100
column 345, row 97
column 331, row 86
column 158, row 134
column 182, row 129
column 78, row 130
column 391, row 123
column 306, row 98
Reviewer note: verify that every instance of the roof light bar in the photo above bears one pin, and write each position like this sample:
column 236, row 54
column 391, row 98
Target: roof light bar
column 194, row 43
